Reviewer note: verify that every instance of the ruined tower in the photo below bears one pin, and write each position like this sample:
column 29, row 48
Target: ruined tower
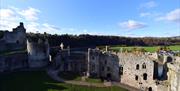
column 38, row 53
column 14, row 40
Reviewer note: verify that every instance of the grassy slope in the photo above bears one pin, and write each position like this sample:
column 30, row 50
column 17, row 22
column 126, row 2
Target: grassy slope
column 149, row 49
column 39, row 81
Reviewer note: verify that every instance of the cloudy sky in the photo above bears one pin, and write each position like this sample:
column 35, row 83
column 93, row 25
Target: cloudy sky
column 157, row 18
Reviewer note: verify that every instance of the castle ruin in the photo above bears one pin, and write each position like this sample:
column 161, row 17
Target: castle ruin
column 145, row 71
column 14, row 40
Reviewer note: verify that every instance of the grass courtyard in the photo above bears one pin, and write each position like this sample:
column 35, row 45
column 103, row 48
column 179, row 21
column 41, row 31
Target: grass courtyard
column 77, row 77
column 40, row 81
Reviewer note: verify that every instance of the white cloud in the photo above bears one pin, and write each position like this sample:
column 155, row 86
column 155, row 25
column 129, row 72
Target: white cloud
column 33, row 27
column 7, row 19
column 132, row 25
column 41, row 28
column 30, row 14
column 150, row 14
column 148, row 5
column 144, row 14
column 6, row 13
column 50, row 28
column 173, row 16
column 10, row 18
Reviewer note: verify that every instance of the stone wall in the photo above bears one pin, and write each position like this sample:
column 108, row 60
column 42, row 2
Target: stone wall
column 137, row 70
column 14, row 40
column 73, row 62
column 174, row 75
column 13, row 62
column 103, row 64
column 38, row 53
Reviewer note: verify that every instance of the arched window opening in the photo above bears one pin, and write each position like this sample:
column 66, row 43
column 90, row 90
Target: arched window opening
column 136, row 77
column 121, row 70
column 17, row 42
column 103, row 68
column 105, row 62
column 137, row 67
column 93, row 57
column 145, row 76
column 93, row 67
column 144, row 66
column 108, row 69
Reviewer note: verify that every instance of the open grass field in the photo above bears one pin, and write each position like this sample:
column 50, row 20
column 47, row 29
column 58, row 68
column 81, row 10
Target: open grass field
column 40, row 81
column 148, row 48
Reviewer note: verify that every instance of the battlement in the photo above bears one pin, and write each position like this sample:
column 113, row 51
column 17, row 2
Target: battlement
column 19, row 28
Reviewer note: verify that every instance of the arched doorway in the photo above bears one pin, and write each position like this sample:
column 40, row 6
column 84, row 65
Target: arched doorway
column 150, row 89
column 108, row 76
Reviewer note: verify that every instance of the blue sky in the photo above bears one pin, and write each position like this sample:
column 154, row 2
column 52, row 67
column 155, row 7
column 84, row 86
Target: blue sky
column 135, row 18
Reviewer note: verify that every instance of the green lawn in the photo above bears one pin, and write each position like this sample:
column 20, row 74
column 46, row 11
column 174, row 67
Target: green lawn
column 93, row 80
column 76, row 77
column 40, row 81
column 147, row 48
column 13, row 52
column 69, row 76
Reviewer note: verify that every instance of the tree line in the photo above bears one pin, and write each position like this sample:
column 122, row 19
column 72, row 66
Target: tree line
column 86, row 40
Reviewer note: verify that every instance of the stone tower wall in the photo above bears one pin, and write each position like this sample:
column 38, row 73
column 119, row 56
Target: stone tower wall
column 103, row 64
column 38, row 54
column 14, row 40
column 133, row 75
column 94, row 63
column 17, row 35
column 174, row 75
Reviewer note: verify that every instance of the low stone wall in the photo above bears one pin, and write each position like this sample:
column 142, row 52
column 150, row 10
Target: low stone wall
column 13, row 62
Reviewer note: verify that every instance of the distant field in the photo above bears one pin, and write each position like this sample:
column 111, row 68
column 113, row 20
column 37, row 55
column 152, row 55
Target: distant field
column 40, row 81
column 148, row 49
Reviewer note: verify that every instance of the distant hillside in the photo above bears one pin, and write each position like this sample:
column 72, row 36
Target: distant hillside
column 175, row 37
column 85, row 40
